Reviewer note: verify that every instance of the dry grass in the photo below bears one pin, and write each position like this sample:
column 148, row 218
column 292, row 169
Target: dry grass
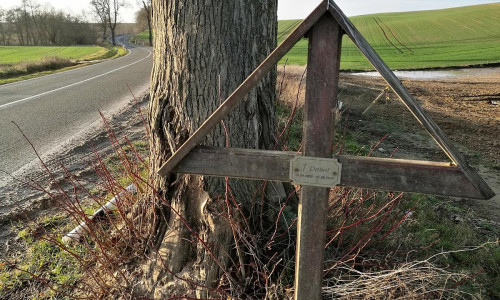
column 417, row 280
column 45, row 64
column 410, row 280
column 291, row 83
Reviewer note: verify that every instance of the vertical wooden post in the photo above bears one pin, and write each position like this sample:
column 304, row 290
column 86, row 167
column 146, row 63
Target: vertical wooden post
column 325, row 40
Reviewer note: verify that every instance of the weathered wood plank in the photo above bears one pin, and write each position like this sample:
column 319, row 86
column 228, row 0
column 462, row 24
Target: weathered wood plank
column 400, row 175
column 237, row 163
column 323, row 69
column 408, row 99
column 407, row 176
column 237, row 96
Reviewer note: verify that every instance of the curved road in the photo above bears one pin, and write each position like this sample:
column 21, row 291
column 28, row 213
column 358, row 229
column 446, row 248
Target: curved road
column 53, row 109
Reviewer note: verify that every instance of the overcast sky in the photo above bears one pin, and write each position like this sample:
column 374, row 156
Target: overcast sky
column 287, row 9
column 299, row 9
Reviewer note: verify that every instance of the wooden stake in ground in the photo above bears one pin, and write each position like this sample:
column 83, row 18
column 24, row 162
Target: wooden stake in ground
column 323, row 66
column 384, row 92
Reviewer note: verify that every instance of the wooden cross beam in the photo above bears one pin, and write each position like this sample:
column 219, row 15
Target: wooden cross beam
column 399, row 175
column 315, row 168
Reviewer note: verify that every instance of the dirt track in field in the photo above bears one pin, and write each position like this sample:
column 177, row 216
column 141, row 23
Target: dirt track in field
column 463, row 107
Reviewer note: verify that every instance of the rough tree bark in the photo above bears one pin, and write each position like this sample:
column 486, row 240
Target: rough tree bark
column 199, row 46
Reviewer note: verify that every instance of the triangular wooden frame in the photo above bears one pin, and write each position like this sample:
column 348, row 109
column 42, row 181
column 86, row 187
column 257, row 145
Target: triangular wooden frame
column 463, row 181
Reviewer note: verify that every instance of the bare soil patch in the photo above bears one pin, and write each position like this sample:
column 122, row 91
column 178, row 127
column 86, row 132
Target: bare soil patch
column 465, row 108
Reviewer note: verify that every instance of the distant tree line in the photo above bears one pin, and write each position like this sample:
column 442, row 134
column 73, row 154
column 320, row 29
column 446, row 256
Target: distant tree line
column 33, row 25
column 107, row 13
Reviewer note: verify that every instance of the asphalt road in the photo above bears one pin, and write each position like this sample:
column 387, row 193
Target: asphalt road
column 55, row 109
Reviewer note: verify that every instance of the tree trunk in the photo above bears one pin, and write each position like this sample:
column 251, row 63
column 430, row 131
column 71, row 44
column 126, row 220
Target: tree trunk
column 113, row 40
column 112, row 26
column 201, row 48
column 104, row 29
column 149, row 14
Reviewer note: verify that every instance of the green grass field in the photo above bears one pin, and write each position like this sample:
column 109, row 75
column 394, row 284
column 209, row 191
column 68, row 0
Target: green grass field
column 415, row 40
column 10, row 55
column 24, row 62
column 143, row 35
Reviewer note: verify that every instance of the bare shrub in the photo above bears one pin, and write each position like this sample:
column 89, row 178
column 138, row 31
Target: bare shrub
column 25, row 68
column 47, row 64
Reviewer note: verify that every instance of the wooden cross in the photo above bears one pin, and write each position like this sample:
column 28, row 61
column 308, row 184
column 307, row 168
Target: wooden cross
column 315, row 169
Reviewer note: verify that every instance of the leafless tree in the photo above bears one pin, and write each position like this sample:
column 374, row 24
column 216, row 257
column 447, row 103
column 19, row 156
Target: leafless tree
column 112, row 8
column 148, row 9
column 99, row 9
column 32, row 24
column 143, row 19
column 108, row 11
column 4, row 31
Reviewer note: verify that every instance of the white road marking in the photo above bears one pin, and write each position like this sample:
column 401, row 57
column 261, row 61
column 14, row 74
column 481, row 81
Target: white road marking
column 65, row 72
column 73, row 84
